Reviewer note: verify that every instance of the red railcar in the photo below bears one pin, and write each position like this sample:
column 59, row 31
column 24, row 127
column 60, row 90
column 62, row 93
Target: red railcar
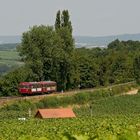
column 37, row 87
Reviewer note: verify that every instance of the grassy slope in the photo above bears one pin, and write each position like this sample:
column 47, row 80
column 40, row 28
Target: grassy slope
column 120, row 105
column 9, row 59
column 9, row 55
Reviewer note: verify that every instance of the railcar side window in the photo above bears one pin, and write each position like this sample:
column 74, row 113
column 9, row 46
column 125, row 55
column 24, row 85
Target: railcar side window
column 33, row 86
column 24, row 86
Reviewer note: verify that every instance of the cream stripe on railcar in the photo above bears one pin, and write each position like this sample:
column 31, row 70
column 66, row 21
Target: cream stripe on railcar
column 33, row 89
column 39, row 89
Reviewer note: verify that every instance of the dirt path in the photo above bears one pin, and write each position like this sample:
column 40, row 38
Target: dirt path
column 132, row 92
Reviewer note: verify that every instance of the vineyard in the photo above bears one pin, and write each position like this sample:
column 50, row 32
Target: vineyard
column 84, row 128
column 101, row 115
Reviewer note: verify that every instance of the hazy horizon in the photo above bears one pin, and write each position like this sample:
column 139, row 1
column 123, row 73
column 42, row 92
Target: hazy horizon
column 18, row 35
column 89, row 18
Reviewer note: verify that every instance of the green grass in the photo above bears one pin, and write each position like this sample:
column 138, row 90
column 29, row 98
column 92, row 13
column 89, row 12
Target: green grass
column 9, row 55
column 9, row 60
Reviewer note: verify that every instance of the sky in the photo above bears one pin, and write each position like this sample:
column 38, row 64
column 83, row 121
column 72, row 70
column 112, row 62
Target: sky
column 88, row 17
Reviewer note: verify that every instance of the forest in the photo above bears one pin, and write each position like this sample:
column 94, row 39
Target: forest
column 49, row 53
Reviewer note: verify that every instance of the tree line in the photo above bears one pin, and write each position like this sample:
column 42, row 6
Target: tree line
column 49, row 53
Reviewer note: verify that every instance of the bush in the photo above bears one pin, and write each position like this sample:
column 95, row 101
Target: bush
column 9, row 83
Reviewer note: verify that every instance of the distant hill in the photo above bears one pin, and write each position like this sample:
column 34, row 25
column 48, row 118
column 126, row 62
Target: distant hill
column 10, row 39
column 103, row 41
column 88, row 41
column 8, row 47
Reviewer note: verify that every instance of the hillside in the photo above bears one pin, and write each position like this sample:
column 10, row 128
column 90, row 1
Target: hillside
column 100, row 41
column 100, row 115
column 10, row 39
column 103, row 41
column 8, row 47
column 9, row 58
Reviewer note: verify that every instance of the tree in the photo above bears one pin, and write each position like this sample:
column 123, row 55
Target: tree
column 67, row 65
column 9, row 82
column 40, row 47
column 88, row 68
column 137, row 69
column 58, row 20
column 49, row 53
column 65, row 20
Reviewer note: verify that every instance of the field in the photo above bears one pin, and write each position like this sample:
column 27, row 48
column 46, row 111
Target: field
column 9, row 59
column 101, row 115
column 9, row 55
column 86, row 128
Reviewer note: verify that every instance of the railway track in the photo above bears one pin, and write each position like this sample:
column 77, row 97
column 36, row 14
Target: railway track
column 4, row 100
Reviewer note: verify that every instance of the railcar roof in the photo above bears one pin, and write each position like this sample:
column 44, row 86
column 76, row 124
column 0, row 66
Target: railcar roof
column 47, row 82
column 27, row 83
column 41, row 82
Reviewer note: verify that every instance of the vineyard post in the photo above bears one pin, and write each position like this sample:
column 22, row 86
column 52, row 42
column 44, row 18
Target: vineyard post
column 30, row 113
column 91, row 108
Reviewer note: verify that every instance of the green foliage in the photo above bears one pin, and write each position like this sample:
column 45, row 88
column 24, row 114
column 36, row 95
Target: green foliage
column 9, row 60
column 58, row 20
column 33, row 50
column 49, row 53
column 22, row 105
column 107, row 66
column 65, row 22
column 9, row 83
column 137, row 69
column 123, row 105
column 4, row 68
column 88, row 69
column 101, row 128
column 9, row 55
